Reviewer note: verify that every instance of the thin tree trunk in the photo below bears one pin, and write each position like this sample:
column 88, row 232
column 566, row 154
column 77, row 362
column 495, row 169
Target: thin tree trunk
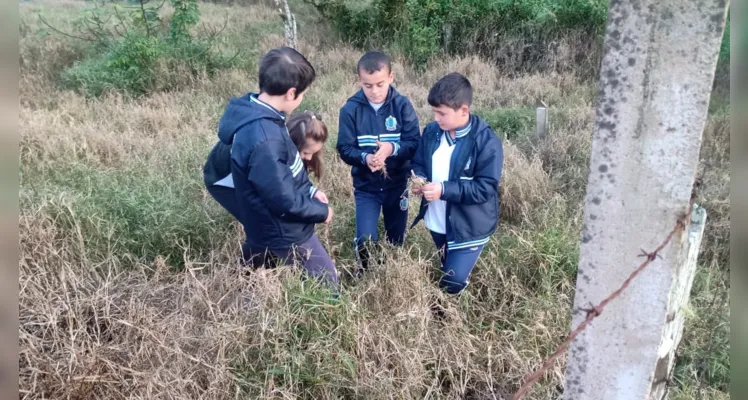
column 289, row 23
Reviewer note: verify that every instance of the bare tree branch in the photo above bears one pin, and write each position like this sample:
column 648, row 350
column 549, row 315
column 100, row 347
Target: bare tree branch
column 117, row 31
column 119, row 17
column 146, row 2
column 96, row 32
column 145, row 17
column 63, row 33
column 211, row 38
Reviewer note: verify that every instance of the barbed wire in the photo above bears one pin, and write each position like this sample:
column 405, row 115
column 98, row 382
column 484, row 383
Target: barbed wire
column 595, row 311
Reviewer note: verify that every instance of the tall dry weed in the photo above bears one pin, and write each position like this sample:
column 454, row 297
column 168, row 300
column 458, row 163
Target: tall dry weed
column 525, row 186
column 714, row 190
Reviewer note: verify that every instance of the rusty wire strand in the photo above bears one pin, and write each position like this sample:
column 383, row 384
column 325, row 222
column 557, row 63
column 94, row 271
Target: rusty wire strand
column 595, row 311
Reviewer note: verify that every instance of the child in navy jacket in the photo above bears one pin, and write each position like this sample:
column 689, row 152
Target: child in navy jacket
column 275, row 201
column 378, row 135
column 461, row 158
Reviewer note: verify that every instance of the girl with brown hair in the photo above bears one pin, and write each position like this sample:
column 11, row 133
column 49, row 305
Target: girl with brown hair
column 309, row 134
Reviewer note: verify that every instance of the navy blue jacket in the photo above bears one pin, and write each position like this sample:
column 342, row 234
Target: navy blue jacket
column 275, row 196
column 472, row 191
column 360, row 127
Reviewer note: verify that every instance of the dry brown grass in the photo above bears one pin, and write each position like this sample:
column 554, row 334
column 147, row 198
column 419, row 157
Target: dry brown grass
column 103, row 178
column 113, row 130
column 209, row 331
column 125, row 333
column 714, row 191
column 525, row 186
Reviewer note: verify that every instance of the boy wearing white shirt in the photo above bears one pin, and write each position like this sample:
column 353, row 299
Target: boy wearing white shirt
column 461, row 157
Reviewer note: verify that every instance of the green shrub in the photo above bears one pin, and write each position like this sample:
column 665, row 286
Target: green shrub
column 520, row 35
column 510, row 123
column 128, row 65
column 423, row 28
column 134, row 51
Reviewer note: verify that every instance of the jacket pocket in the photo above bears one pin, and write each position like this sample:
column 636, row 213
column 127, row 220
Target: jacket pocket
column 474, row 221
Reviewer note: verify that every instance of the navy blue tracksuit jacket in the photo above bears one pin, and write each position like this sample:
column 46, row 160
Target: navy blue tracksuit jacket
column 359, row 129
column 472, row 192
column 274, row 194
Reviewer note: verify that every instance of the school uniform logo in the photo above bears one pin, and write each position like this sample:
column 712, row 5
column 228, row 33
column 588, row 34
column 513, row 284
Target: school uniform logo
column 390, row 123
column 404, row 204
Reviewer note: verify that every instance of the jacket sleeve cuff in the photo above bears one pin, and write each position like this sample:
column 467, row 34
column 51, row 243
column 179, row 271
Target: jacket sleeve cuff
column 450, row 191
column 395, row 149
column 312, row 192
column 363, row 157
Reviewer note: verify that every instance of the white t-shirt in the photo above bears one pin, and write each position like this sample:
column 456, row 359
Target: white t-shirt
column 436, row 212
column 375, row 106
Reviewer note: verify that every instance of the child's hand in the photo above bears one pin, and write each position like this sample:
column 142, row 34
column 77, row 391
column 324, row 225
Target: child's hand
column 329, row 215
column 432, row 191
column 372, row 163
column 385, row 150
column 319, row 195
column 417, row 183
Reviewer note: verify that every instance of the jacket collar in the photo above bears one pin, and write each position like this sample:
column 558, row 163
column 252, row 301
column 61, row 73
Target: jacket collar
column 360, row 97
column 460, row 133
column 253, row 99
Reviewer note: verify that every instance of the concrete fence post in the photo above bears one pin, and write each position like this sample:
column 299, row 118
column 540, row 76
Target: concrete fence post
column 655, row 82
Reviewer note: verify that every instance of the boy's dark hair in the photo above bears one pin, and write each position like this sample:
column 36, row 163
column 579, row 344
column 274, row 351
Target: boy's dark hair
column 285, row 68
column 373, row 61
column 453, row 90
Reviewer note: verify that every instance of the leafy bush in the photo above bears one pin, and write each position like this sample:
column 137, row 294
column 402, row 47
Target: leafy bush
column 519, row 35
column 134, row 50
column 127, row 65
column 510, row 123
column 423, row 28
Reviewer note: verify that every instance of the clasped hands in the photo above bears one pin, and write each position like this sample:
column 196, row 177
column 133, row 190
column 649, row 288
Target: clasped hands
column 375, row 161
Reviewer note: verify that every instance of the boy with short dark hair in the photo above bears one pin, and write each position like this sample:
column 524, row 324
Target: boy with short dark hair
column 461, row 158
column 378, row 136
column 265, row 185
